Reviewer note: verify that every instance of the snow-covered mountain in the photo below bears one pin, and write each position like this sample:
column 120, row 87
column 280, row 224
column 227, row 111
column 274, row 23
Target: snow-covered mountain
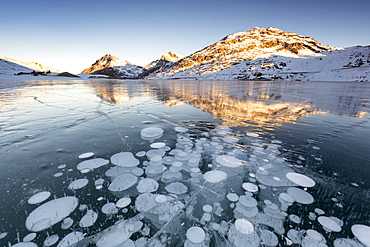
column 271, row 54
column 112, row 66
column 10, row 66
column 161, row 64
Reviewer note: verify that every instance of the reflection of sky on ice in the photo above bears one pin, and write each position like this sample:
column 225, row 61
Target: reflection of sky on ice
column 154, row 180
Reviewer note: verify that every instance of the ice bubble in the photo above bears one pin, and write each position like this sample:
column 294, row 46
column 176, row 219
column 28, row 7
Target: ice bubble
column 300, row 179
column 268, row 238
column 286, row 198
column 315, row 235
column 140, row 154
column 62, row 166
column 176, row 188
column 83, row 171
column 123, row 202
column 228, row 161
column 145, row 202
column 301, row 196
column 207, row 208
column 247, row 201
column 195, row 235
column 70, row 239
column 85, row 155
column 92, row 164
column 295, row 236
column 362, row 233
column 319, row 211
column 181, row 129
column 160, row 198
column 39, row 197
column 51, row 240
column 155, row 152
column 215, row 176
column 158, row 145
column 250, row 187
column 99, row 181
column 58, row 174
column 295, row 218
column 54, row 211
column 78, row 184
column 24, row 244
column 329, row 224
column 346, row 242
column 29, row 237
column 123, row 182
column 82, row 207
column 252, row 134
column 151, row 133
column 138, row 172
column 124, row 159
column 244, row 226
column 119, row 234
column 88, row 219
column 67, row 223
column 109, row 208
column 232, row 197
column 147, row 185
column 99, row 187
column 3, row 235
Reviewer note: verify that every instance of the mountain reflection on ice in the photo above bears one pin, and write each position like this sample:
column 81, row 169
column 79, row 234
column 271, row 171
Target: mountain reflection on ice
column 157, row 176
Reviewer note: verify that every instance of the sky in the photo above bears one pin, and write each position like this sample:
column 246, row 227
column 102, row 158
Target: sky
column 70, row 35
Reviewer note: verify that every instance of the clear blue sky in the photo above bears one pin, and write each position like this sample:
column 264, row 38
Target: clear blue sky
column 71, row 34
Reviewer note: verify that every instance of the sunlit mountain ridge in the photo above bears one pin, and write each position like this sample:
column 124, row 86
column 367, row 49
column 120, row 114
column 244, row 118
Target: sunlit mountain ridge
column 257, row 54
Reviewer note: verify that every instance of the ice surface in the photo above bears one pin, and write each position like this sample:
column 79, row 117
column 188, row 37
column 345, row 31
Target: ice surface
column 300, row 179
column 362, row 233
column 92, row 164
column 195, row 235
column 71, row 239
column 88, row 219
column 125, row 159
column 123, row 182
column 39, row 197
column 52, row 211
column 78, row 184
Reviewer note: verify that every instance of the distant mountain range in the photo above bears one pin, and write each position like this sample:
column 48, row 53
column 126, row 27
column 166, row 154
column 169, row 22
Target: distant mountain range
column 10, row 66
column 257, row 54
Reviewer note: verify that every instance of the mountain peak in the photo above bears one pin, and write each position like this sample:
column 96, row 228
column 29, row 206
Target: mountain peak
column 171, row 56
column 106, row 61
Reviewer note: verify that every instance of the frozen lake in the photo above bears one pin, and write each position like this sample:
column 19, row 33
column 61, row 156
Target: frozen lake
column 194, row 163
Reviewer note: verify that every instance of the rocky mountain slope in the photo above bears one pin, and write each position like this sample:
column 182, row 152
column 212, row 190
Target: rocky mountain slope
column 271, row 54
column 112, row 66
column 161, row 64
column 10, row 66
